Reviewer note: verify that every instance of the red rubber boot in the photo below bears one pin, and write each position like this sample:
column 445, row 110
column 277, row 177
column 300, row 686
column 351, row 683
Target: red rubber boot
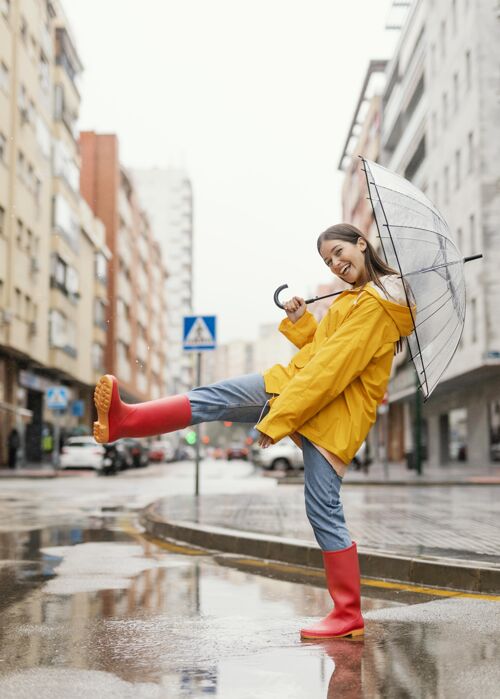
column 342, row 579
column 116, row 419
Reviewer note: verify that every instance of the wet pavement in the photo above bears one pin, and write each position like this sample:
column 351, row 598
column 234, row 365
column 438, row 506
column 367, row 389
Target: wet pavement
column 461, row 522
column 89, row 606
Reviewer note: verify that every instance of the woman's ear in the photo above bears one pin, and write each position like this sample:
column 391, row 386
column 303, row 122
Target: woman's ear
column 361, row 242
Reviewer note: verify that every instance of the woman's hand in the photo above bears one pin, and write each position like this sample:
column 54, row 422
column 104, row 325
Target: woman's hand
column 295, row 308
column 264, row 441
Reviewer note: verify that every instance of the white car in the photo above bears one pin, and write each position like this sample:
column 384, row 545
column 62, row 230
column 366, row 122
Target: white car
column 284, row 455
column 81, row 452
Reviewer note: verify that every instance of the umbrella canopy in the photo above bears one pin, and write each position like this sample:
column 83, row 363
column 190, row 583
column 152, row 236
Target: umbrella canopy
column 416, row 242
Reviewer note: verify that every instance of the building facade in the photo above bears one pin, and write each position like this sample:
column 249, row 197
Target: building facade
column 439, row 126
column 135, row 319
column 49, row 242
column 168, row 200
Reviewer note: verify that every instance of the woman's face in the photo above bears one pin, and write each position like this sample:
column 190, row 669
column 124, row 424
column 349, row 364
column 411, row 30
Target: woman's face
column 345, row 260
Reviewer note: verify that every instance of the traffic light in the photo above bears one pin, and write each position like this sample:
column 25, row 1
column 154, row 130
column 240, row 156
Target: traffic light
column 227, row 423
column 190, row 437
column 205, row 439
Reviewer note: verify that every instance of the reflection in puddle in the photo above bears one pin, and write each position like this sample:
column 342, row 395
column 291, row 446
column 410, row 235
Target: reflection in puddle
column 99, row 610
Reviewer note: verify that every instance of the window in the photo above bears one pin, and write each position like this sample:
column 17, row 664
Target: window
column 3, row 148
column 468, row 70
column 23, row 30
column 2, row 220
column 4, row 77
column 100, row 313
column 101, row 267
column 5, row 8
column 457, row 169
column 444, row 101
column 19, row 234
column 443, row 39
column 434, row 129
column 473, row 320
column 29, row 241
column 65, row 221
column 455, row 92
column 446, row 185
column 18, row 301
column 470, row 152
column 44, row 73
column 20, row 164
column 472, row 234
column 58, row 272
column 97, row 357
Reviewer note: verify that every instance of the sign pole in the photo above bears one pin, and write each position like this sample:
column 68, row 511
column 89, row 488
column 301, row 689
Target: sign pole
column 57, row 434
column 197, row 430
column 199, row 335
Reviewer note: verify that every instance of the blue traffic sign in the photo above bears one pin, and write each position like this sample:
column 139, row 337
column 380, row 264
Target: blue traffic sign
column 199, row 333
column 57, row 397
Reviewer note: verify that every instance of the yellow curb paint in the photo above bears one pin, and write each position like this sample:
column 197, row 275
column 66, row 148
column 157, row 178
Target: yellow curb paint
column 370, row 582
column 312, row 572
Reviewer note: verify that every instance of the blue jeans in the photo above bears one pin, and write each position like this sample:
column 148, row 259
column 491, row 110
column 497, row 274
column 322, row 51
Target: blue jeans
column 244, row 399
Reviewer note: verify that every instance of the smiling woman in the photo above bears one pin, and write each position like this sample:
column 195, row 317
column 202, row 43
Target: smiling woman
column 325, row 400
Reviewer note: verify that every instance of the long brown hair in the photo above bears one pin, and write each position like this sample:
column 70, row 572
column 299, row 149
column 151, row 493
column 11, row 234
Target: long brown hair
column 374, row 264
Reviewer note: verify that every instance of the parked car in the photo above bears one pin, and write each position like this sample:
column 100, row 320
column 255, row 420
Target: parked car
column 160, row 451
column 284, row 455
column 236, row 451
column 136, row 453
column 82, row 452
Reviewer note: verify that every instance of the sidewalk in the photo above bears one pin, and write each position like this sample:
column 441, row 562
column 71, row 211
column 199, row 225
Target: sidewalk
column 444, row 536
column 396, row 473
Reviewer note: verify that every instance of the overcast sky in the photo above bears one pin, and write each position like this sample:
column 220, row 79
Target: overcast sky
column 254, row 98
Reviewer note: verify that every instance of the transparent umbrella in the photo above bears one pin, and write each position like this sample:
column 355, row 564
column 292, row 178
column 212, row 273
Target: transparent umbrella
column 416, row 241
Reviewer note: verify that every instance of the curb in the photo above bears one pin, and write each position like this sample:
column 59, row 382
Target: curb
column 478, row 481
column 428, row 572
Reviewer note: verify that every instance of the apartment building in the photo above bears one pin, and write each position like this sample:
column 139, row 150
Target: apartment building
column 439, row 127
column 136, row 342
column 49, row 242
column 168, row 200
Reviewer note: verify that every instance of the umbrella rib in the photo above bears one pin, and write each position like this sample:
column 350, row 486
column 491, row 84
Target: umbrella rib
column 434, row 312
column 433, row 269
column 436, row 336
column 421, row 310
column 432, row 209
column 401, row 271
column 427, row 230
column 373, row 207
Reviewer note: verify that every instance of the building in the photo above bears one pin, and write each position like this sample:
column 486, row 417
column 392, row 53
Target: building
column 49, row 242
column 167, row 198
column 135, row 318
column 439, row 130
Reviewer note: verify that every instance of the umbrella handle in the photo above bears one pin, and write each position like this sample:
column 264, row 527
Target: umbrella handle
column 472, row 257
column 315, row 298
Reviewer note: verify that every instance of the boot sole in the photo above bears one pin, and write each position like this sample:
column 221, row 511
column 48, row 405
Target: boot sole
column 356, row 632
column 102, row 401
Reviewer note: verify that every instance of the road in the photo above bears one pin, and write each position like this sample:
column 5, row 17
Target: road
column 90, row 607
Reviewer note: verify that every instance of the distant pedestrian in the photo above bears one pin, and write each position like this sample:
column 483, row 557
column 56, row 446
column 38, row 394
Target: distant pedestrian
column 13, row 444
column 325, row 399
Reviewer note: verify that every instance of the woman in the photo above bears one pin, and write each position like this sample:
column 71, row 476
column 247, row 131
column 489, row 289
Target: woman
column 326, row 399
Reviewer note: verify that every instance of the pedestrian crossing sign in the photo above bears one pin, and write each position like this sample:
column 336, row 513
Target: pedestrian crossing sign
column 199, row 333
column 57, row 397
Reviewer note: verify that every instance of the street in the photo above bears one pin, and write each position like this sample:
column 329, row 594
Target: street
column 90, row 606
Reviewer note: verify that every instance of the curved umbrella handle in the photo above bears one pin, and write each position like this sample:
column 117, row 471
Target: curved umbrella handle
column 315, row 298
column 276, row 295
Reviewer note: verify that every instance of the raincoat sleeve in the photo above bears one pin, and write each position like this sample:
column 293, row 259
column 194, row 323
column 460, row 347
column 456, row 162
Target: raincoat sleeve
column 301, row 332
column 339, row 360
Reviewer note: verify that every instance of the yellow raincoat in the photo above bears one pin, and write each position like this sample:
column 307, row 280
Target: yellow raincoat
column 330, row 390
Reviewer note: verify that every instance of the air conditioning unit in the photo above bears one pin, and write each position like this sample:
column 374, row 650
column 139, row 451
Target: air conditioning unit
column 6, row 316
column 35, row 264
column 32, row 328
